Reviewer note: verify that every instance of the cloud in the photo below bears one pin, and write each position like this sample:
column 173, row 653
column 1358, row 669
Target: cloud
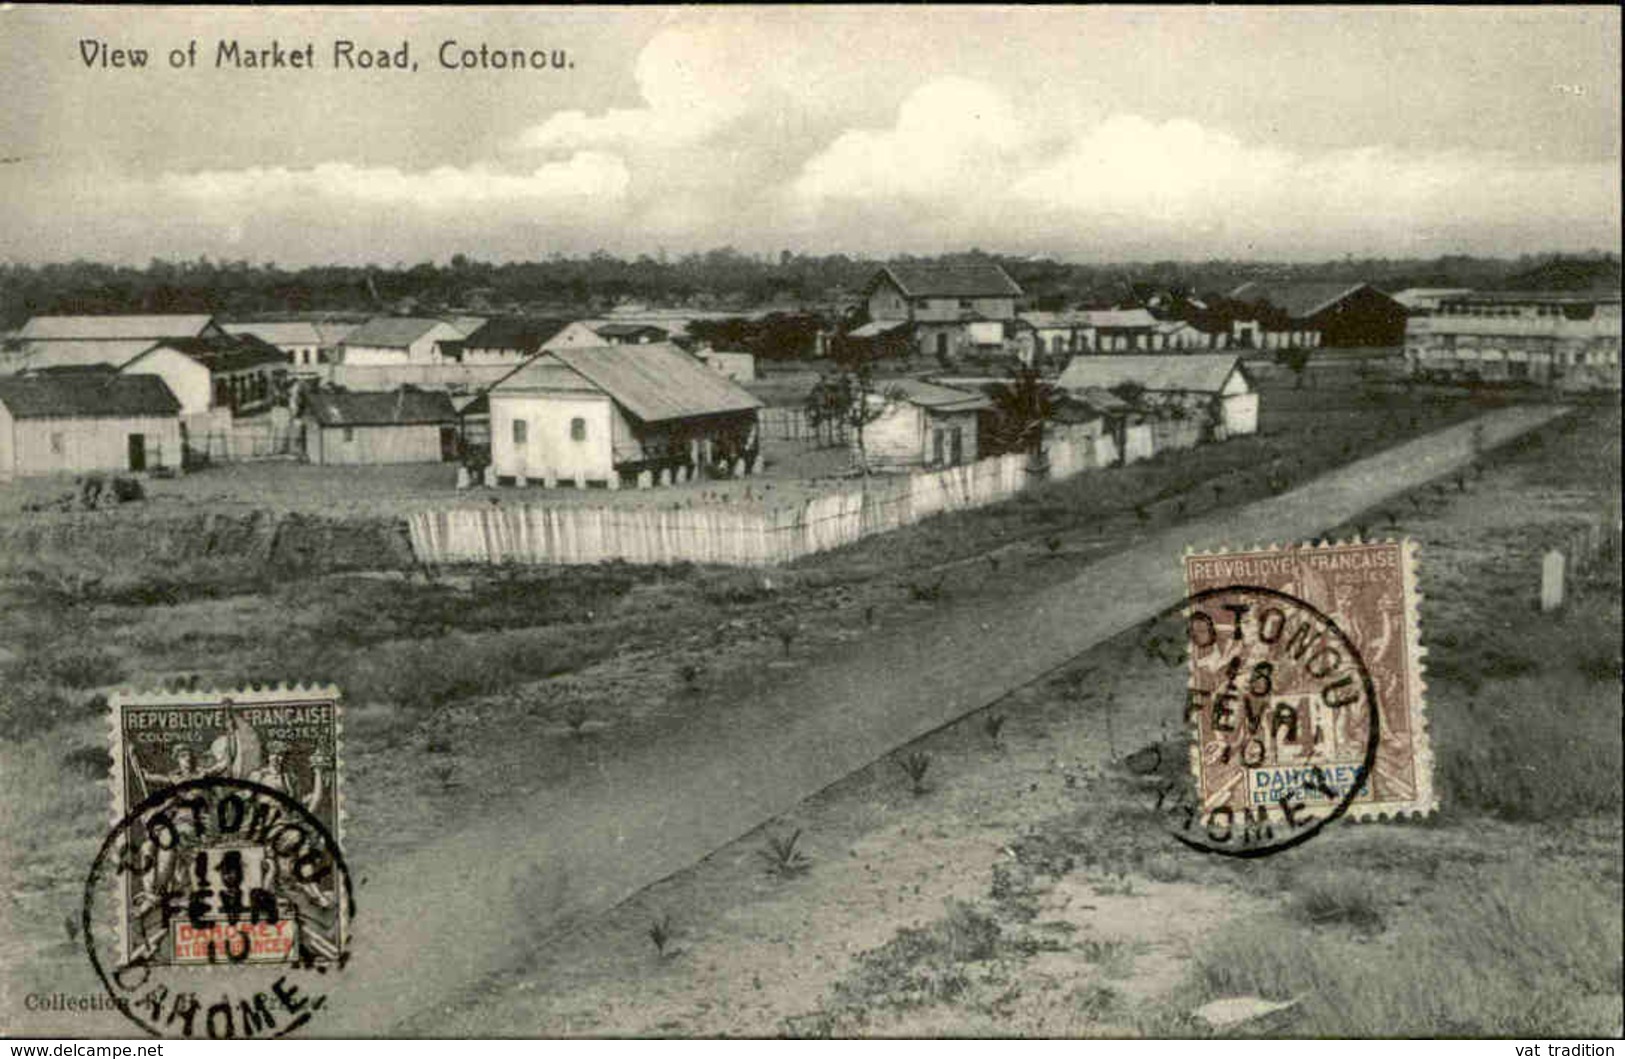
column 960, row 158
column 694, row 80
column 586, row 177
column 954, row 137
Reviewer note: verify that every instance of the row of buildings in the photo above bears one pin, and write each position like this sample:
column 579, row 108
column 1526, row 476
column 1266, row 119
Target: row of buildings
column 582, row 401
column 974, row 311
column 618, row 401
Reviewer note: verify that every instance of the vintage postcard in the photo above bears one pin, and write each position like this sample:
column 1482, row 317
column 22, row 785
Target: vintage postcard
column 783, row 521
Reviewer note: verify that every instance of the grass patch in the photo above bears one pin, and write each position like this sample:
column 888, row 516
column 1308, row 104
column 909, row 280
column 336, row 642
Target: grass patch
column 923, row 965
column 1514, row 951
column 1340, row 898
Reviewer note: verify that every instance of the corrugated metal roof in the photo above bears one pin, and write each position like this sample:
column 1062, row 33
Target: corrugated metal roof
column 1117, row 317
column 1181, row 372
column 1298, row 300
column 75, row 353
column 53, row 328
column 933, row 396
column 952, row 281
column 525, row 334
column 227, row 354
column 87, row 394
column 392, row 332
column 401, row 408
column 657, row 382
column 544, row 373
column 280, row 333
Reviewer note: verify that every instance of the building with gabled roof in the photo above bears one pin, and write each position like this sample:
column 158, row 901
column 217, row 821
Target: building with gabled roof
column 118, row 327
column 954, row 310
column 1210, row 381
column 407, row 426
column 615, row 415
column 76, row 421
column 920, row 424
column 1334, row 314
column 513, row 339
column 241, row 374
column 300, row 340
column 398, row 340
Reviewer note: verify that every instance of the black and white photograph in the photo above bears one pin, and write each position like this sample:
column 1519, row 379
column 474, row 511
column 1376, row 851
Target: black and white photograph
column 855, row 522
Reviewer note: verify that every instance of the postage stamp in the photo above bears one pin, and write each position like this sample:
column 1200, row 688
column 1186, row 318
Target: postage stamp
column 1306, row 682
column 286, row 739
column 225, row 850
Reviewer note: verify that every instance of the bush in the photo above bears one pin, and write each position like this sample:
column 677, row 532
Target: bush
column 1338, row 897
column 923, row 964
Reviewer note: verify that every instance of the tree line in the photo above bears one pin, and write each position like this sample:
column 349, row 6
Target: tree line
column 720, row 279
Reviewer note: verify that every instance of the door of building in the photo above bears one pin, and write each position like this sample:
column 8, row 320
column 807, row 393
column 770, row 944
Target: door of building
column 138, row 452
column 448, row 444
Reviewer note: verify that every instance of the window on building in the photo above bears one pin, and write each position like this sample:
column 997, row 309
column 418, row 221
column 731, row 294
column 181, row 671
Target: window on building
column 938, row 445
column 966, row 303
column 578, row 429
column 520, row 432
column 349, row 434
column 56, row 444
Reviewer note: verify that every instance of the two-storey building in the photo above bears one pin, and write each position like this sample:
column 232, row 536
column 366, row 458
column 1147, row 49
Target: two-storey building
column 952, row 310
column 1565, row 340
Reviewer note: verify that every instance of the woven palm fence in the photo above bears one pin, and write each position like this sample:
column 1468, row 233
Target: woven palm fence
column 731, row 535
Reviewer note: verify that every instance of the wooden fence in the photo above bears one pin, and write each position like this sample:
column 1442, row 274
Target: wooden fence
column 790, row 425
column 728, row 535
column 212, row 437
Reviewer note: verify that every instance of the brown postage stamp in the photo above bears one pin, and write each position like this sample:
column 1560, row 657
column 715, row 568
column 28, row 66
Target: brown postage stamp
column 1306, row 683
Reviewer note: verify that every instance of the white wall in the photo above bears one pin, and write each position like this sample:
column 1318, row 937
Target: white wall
column 186, row 378
column 549, row 450
column 422, row 351
column 73, row 446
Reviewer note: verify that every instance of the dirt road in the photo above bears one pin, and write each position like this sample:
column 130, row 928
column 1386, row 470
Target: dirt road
column 474, row 901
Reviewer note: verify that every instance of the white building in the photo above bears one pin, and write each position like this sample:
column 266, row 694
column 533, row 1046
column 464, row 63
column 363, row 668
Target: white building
column 613, row 415
column 396, row 341
column 72, row 422
column 1214, row 381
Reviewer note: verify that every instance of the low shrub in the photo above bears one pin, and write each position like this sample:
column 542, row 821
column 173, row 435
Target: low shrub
column 923, row 965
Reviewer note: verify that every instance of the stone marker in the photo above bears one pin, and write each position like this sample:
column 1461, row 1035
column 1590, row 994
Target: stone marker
column 520, row 481
column 645, row 479
column 1232, row 1012
column 1551, row 581
column 464, row 479
column 491, row 475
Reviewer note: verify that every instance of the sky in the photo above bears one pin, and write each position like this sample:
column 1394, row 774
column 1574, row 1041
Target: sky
column 1085, row 134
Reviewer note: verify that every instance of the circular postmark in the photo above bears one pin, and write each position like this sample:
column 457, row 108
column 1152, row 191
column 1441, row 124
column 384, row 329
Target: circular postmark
column 1280, row 719
column 217, row 908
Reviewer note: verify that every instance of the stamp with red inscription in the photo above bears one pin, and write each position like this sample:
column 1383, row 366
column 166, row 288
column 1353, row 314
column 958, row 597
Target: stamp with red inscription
column 1306, row 683
column 220, row 900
